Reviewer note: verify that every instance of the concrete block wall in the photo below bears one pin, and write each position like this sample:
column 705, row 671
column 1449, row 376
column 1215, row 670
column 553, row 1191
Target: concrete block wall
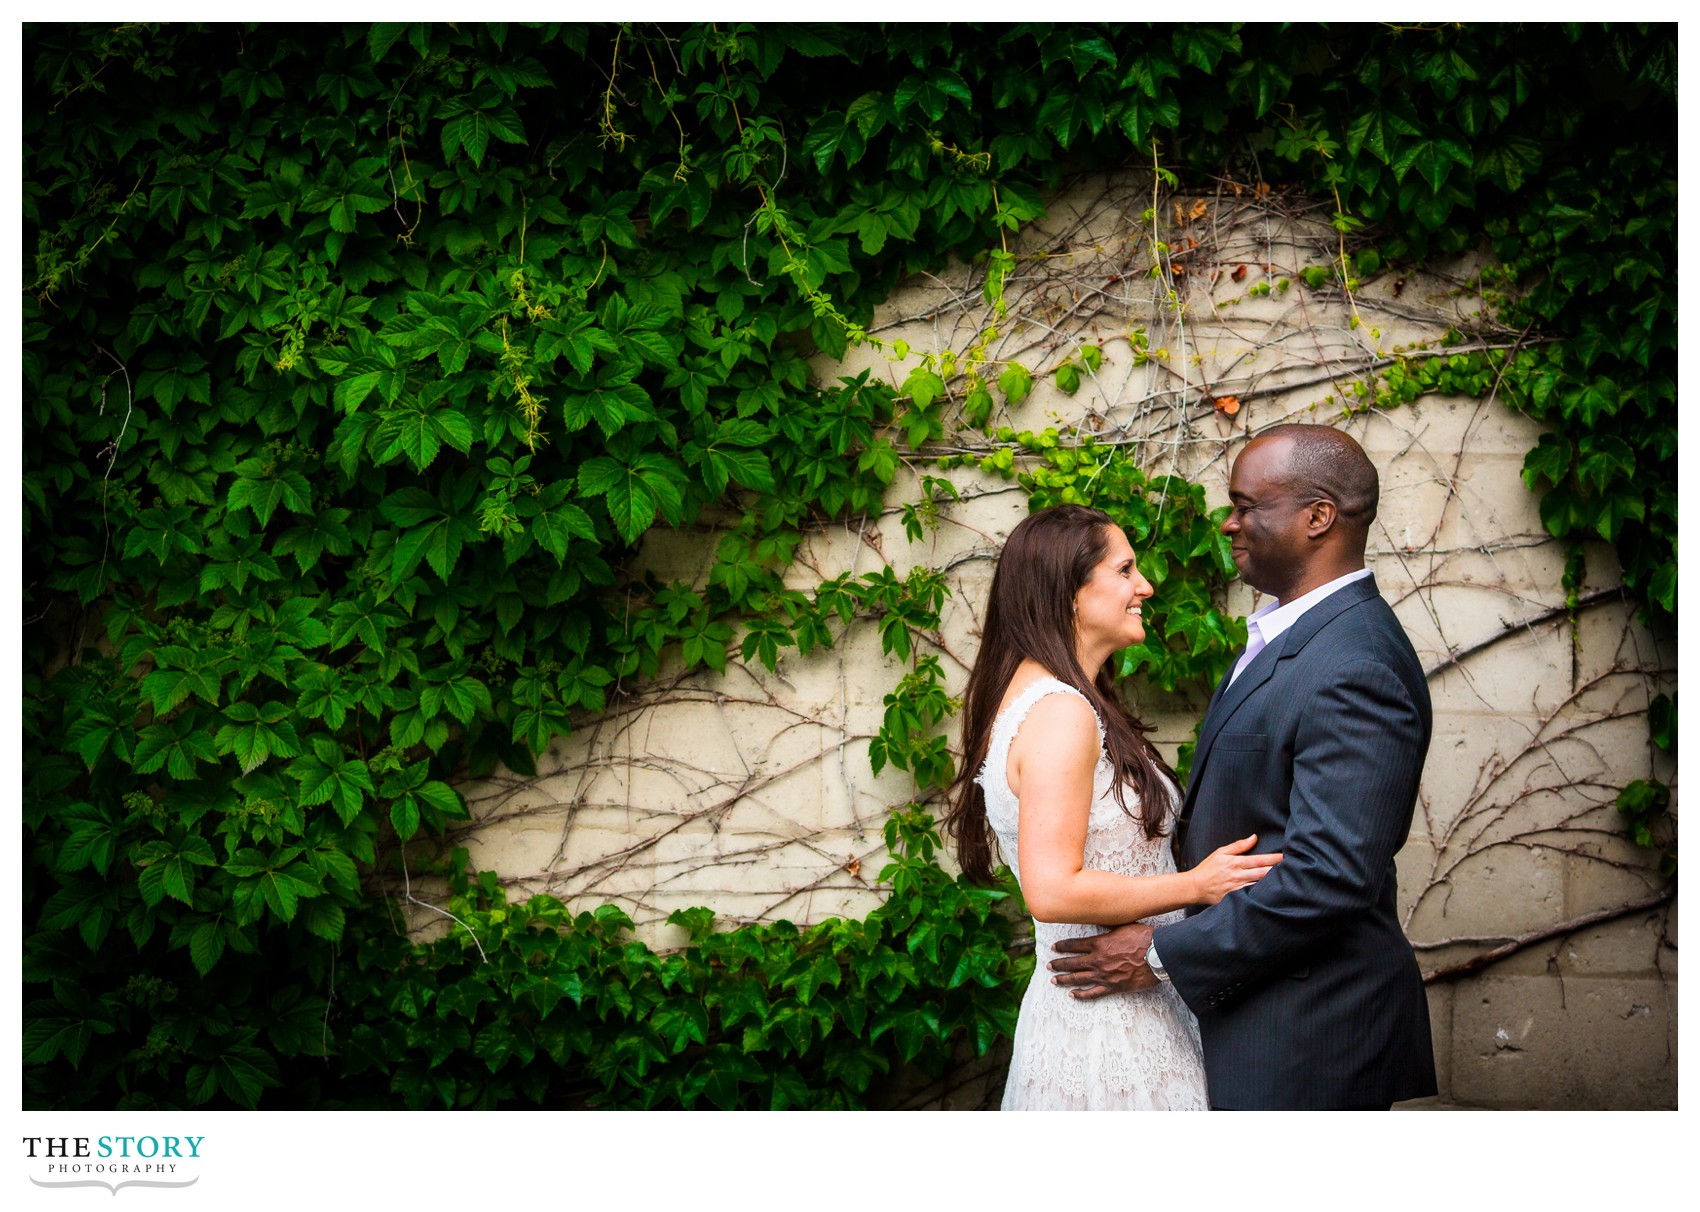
column 751, row 792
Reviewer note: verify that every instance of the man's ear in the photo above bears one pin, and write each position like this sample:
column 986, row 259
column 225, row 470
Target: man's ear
column 1320, row 517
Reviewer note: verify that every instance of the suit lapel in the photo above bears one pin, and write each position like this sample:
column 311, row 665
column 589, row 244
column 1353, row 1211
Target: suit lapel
column 1325, row 612
column 1263, row 667
column 1260, row 670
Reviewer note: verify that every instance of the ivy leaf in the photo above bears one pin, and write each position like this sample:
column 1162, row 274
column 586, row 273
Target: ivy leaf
column 158, row 531
column 1015, row 382
column 354, row 389
column 262, row 489
column 325, row 696
column 438, row 542
column 442, row 798
column 1203, row 45
column 49, row 1034
column 932, row 92
column 635, row 492
column 723, row 460
column 185, row 379
column 324, row 918
column 609, row 220
column 255, row 734
column 169, row 687
column 94, row 836
column 1603, row 458
column 504, row 123
column 404, row 816
column 578, row 344
column 420, row 432
column 333, row 867
column 680, row 1023
column 833, row 135
column 326, row 531
column 382, row 36
column 854, row 1066
column 913, row 1027
column 640, row 329
column 89, row 735
column 83, row 904
column 1507, row 161
column 278, row 880
column 240, row 1070
column 1141, row 115
column 1617, row 507
column 537, row 726
column 469, row 132
column 923, row 387
column 411, row 506
column 1586, row 404
column 613, row 401
column 880, row 459
column 463, row 695
column 176, row 746
column 168, row 867
column 1433, row 158
column 555, row 521
column 1662, row 587
column 326, row 776
column 808, row 975
column 206, row 945
column 1379, row 127
column 1563, row 512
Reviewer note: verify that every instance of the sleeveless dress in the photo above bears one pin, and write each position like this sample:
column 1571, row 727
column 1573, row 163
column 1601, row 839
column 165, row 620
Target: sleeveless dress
column 1121, row 1052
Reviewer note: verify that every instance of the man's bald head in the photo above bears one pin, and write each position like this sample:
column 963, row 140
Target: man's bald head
column 1325, row 462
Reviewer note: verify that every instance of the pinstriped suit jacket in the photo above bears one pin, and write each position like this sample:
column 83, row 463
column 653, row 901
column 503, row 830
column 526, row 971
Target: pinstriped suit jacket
column 1306, row 990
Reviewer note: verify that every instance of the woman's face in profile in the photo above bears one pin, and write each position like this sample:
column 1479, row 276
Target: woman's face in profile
column 1107, row 608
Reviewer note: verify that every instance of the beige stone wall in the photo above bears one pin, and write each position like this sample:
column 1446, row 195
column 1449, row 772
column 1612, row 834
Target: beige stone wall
column 751, row 792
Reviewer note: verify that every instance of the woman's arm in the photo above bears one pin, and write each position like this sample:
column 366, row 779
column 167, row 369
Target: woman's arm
column 1050, row 769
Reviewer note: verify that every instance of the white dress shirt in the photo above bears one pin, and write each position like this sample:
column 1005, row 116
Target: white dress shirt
column 1269, row 622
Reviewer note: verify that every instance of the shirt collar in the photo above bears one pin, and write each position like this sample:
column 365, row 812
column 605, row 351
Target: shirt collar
column 1276, row 617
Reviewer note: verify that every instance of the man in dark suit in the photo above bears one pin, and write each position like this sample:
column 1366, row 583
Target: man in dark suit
column 1306, row 990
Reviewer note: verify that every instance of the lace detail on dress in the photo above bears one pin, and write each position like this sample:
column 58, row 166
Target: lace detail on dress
column 1128, row 1051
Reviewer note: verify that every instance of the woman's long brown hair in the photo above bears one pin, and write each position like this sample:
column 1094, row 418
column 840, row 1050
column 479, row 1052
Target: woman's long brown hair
column 1045, row 561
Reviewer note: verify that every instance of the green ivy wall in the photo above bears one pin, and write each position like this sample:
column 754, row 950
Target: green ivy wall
column 360, row 363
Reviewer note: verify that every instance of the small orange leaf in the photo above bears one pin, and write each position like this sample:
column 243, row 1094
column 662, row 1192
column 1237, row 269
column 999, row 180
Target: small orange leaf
column 1200, row 208
column 1227, row 405
column 854, row 865
column 1239, row 272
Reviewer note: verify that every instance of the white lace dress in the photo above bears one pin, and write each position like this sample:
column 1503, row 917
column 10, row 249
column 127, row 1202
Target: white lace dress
column 1121, row 1052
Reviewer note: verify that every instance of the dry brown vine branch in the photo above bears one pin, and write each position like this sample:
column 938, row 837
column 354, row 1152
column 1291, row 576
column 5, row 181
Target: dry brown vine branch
column 1487, row 958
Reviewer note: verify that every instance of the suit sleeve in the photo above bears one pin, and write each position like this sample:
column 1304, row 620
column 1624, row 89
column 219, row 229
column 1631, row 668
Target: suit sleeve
column 1357, row 757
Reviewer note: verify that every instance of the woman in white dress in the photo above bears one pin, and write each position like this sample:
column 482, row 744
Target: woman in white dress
column 1080, row 804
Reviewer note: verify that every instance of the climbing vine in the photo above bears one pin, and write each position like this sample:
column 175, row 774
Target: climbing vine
column 360, row 360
